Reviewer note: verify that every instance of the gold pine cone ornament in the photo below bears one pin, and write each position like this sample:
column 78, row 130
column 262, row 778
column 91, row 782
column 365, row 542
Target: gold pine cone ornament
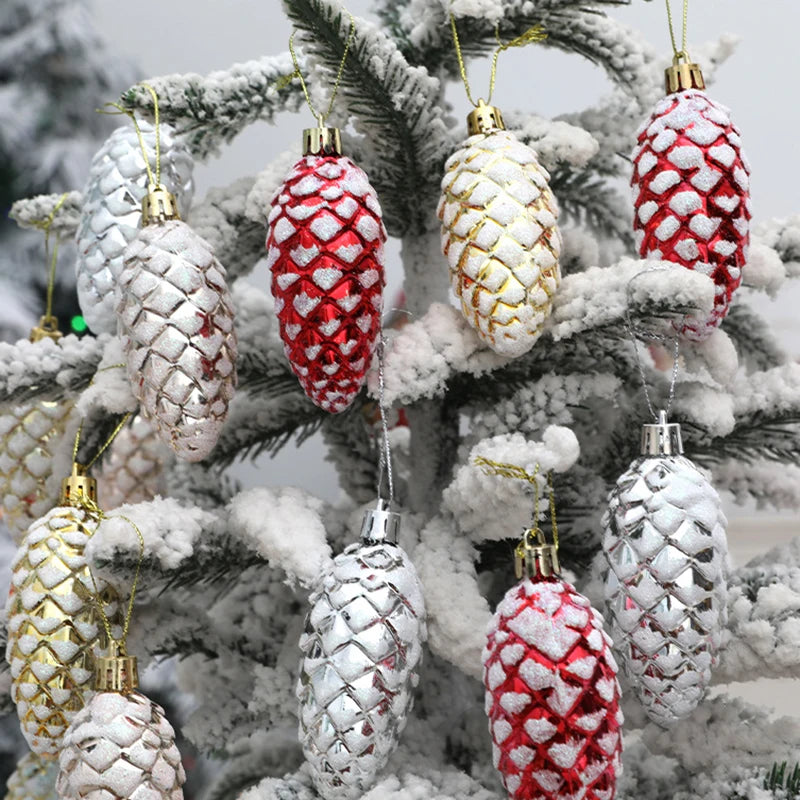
column 54, row 625
column 499, row 234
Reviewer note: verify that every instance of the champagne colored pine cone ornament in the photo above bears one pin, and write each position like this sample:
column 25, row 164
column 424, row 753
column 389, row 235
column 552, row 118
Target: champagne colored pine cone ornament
column 552, row 694
column 120, row 746
column 691, row 192
column 176, row 323
column 111, row 212
column 33, row 779
column 29, row 437
column 133, row 470
column 664, row 540
column 361, row 651
column 54, row 626
column 325, row 249
column 499, row 235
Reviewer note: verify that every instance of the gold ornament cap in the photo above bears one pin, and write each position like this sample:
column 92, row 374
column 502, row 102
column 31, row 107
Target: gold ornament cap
column 322, row 141
column 78, row 487
column 485, row 119
column 683, row 75
column 159, row 205
column 534, row 557
column 116, row 672
column 46, row 329
column 663, row 438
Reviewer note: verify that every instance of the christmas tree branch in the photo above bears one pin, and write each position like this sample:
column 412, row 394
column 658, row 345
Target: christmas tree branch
column 32, row 213
column 211, row 110
column 783, row 235
column 395, row 105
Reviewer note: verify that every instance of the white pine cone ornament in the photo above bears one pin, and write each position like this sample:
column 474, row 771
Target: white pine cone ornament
column 120, row 745
column 499, row 234
column 325, row 250
column 54, row 625
column 552, row 694
column 176, row 325
column 691, row 191
column 111, row 212
column 29, row 437
column 33, row 779
column 362, row 648
column 133, row 470
column 664, row 540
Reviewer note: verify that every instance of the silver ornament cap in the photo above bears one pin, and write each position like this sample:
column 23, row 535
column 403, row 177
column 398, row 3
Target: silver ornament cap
column 380, row 525
column 662, row 438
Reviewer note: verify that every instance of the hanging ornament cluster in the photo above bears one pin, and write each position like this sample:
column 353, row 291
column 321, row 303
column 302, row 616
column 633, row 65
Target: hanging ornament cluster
column 133, row 469
column 664, row 540
column 325, row 250
column 691, row 189
column 120, row 745
column 361, row 652
column 54, row 623
column 111, row 212
column 499, row 231
column 29, row 436
column 33, row 779
column 552, row 694
column 176, row 322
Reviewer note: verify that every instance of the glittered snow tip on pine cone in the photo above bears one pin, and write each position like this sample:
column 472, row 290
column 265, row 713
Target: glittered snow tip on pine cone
column 500, row 238
column 325, row 249
column 120, row 746
column 664, row 540
column 362, row 649
column 112, row 212
column 29, row 435
column 176, row 322
column 691, row 192
column 552, row 695
column 54, row 626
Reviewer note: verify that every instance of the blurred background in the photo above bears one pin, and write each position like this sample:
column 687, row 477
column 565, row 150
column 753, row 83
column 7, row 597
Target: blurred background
column 62, row 59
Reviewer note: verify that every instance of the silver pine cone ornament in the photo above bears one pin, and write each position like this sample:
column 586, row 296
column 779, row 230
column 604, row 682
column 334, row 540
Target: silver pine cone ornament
column 361, row 651
column 29, row 435
column 54, row 625
column 120, row 745
column 133, row 469
column 665, row 543
column 33, row 779
column 111, row 212
column 176, row 325
column 499, row 234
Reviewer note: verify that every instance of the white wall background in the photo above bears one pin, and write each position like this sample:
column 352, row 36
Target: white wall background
column 759, row 83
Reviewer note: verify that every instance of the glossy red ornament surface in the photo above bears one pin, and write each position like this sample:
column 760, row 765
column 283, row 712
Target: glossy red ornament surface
column 691, row 192
column 552, row 695
column 325, row 250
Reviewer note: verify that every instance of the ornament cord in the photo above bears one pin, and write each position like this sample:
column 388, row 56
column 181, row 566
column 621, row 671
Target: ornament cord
column 385, row 463
column 656, row 337
column 682, row 52
column 298, row 74
column 535, row 33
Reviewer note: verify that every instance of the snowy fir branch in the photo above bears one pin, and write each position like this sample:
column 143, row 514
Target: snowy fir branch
column 390, row 102
column 211, row 110
column 33, row 213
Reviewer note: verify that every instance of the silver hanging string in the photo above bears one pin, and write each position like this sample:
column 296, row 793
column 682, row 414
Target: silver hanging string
column 644, row 333
column 385, row 463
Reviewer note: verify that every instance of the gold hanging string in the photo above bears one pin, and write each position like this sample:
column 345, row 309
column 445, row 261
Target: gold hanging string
column 553, row 522
column 287, row 79
column 153, row 180
column 45, row 225
column 682, row 52
column 534, row 34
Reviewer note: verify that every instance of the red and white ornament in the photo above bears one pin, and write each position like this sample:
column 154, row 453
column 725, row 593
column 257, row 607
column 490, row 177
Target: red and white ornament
column 552, row 693
column 325, row 249
column 691, row 191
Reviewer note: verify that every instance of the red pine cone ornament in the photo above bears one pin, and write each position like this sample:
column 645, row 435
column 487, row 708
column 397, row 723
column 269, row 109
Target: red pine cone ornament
column 325, row 249
column 691, row 189
column 552, row 694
